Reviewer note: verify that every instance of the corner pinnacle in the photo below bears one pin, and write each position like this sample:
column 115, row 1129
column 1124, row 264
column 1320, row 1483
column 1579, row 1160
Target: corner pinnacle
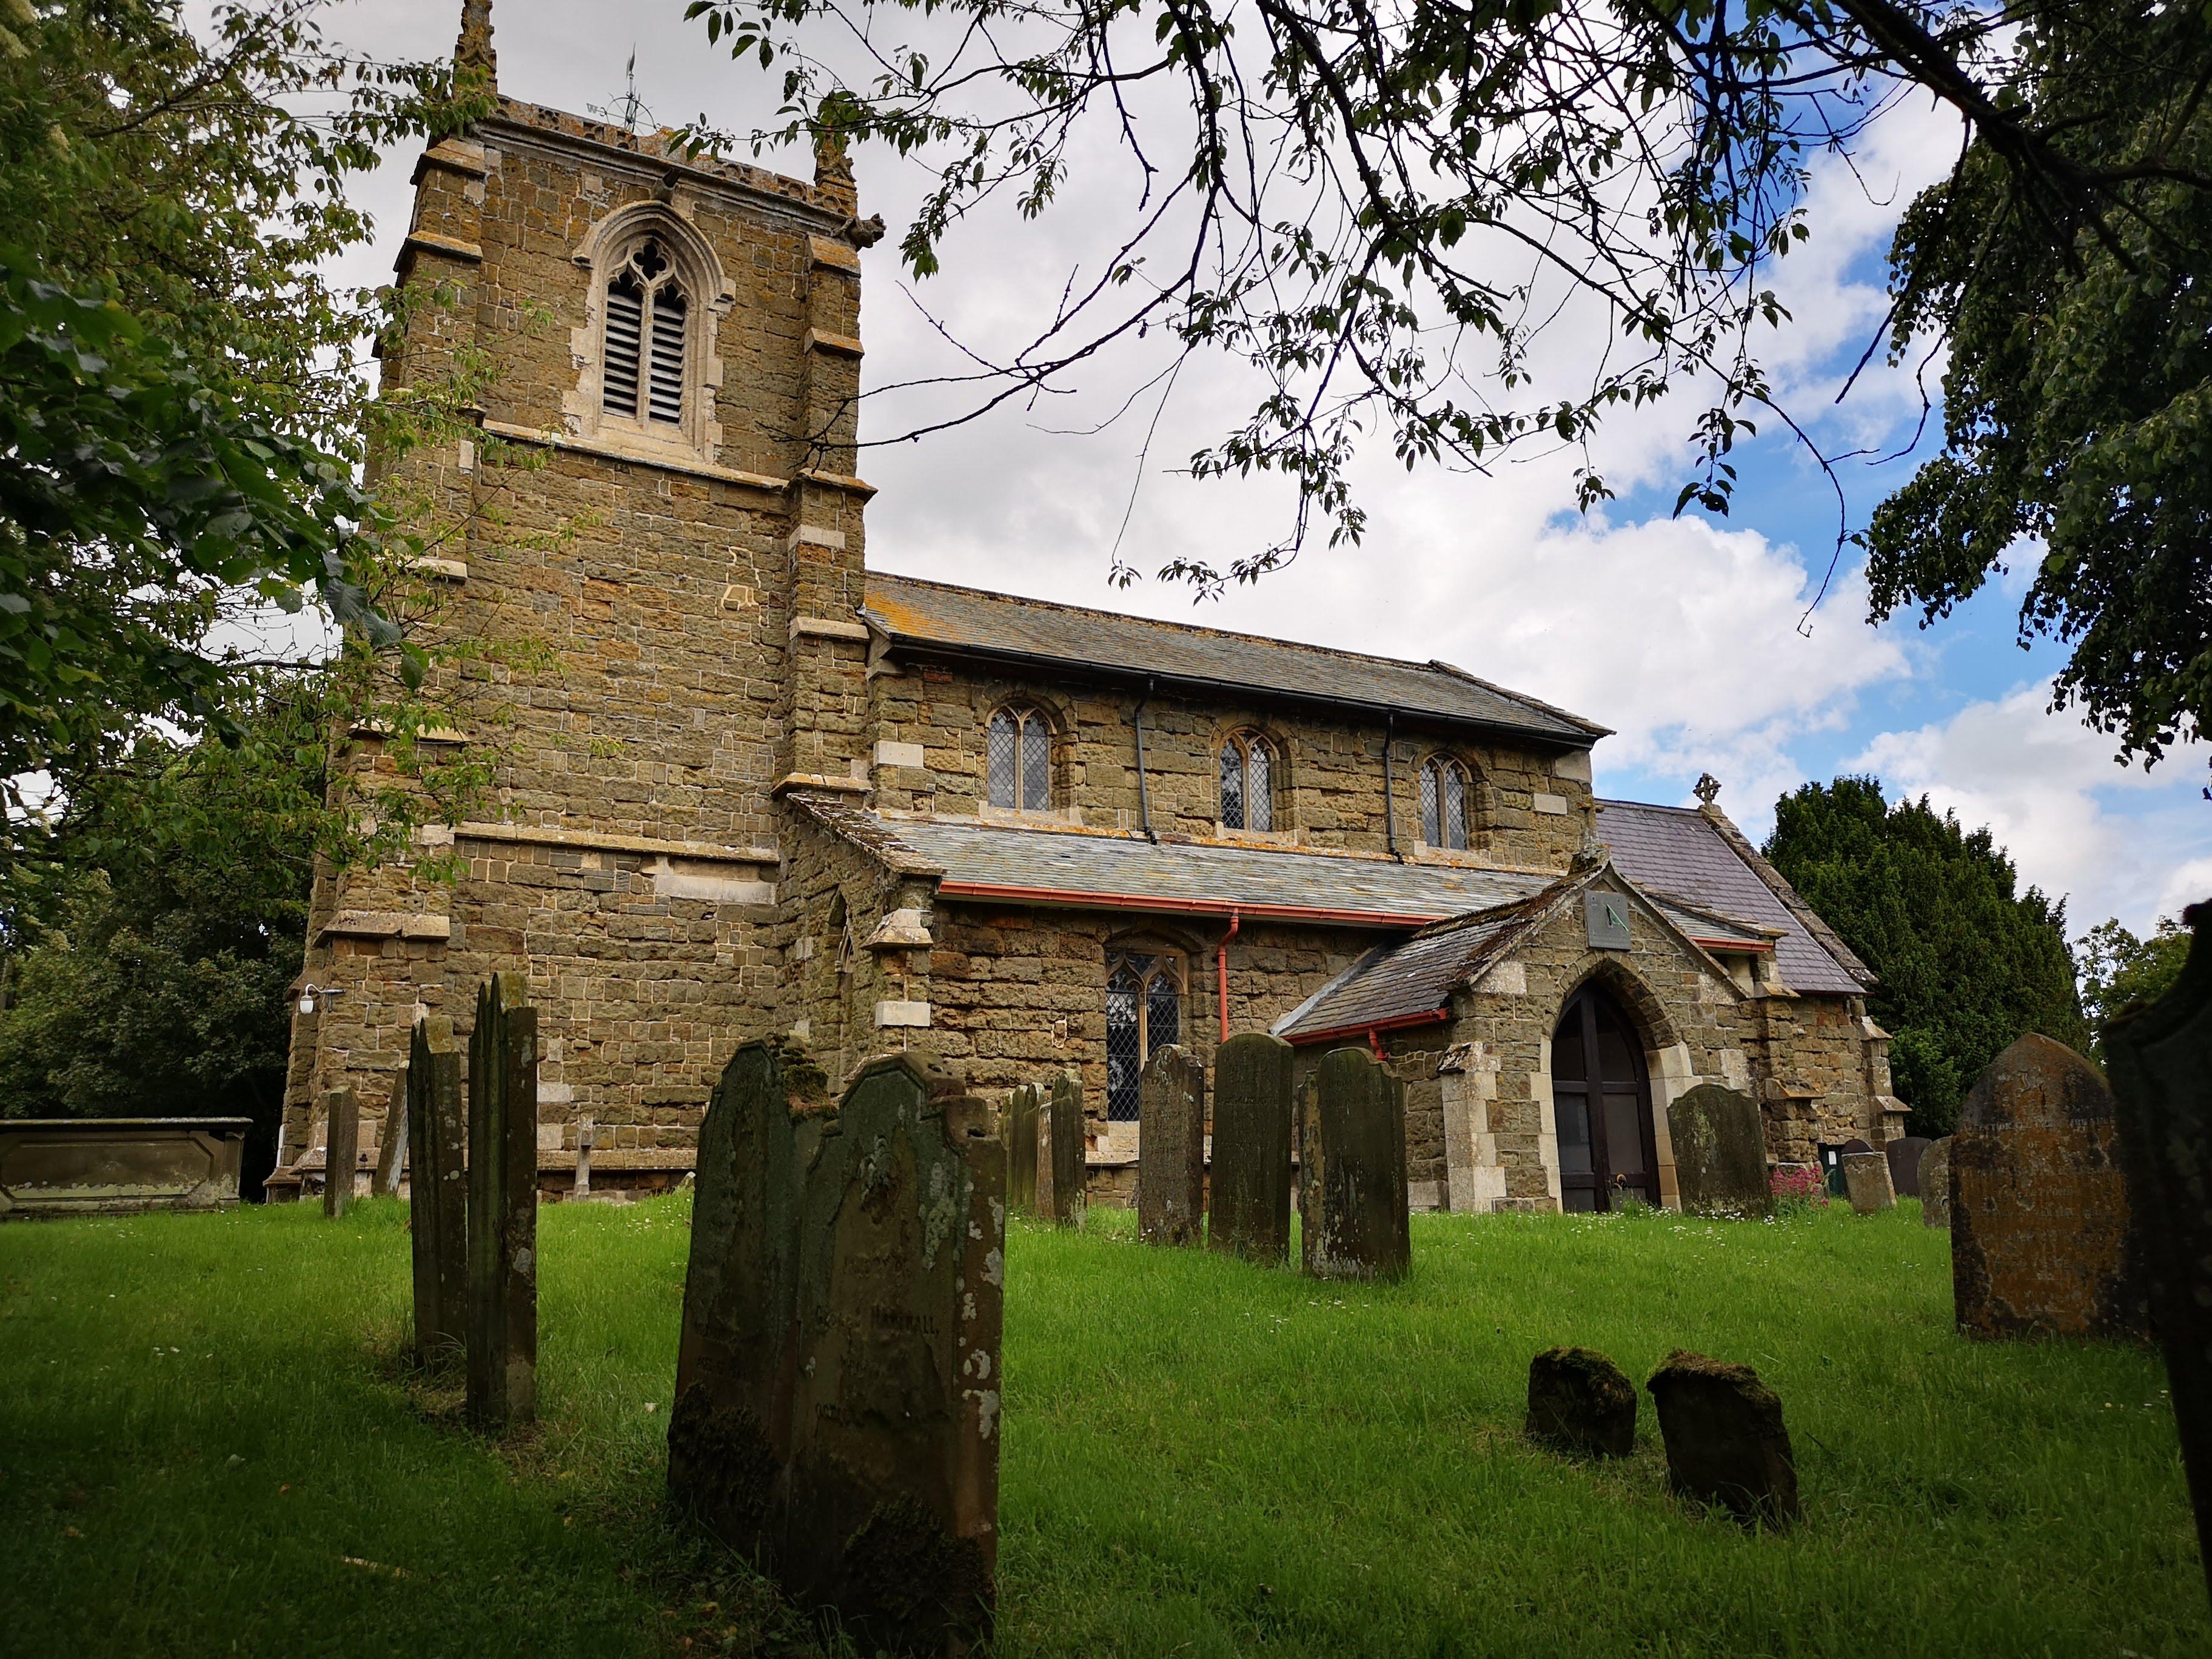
column 473, row 51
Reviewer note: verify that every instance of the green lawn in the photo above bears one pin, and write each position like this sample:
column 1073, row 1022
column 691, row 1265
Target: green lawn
column 208, row 1446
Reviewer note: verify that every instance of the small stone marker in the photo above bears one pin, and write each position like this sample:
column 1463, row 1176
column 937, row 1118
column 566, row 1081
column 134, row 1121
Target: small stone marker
column 1352, row 1191
column 1866, row 1182
column 1725, row 1440
column 1171, row 1148
column 437, row 1191
column 1061, row 1161
column 1835, row 1170
column 1252, row 1116
column 2161, row 1061
column 341, row 1150
column 1904, row 1154
column 1935, row 1183
column 392, row 1140
column 1580, row 1403
column 2039, row 1212
column 1021, row 1120
column 1720, row 1152
column 585, row 1129
column 503, row 1205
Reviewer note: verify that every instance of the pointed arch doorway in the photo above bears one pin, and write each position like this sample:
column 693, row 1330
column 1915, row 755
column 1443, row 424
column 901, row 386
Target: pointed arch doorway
column 1601, row 1103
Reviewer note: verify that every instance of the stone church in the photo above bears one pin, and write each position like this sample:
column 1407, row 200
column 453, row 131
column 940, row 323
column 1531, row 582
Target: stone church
column 745, row 782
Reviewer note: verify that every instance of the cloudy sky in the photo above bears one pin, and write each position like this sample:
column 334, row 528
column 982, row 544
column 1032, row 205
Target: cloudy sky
column 1683, row 635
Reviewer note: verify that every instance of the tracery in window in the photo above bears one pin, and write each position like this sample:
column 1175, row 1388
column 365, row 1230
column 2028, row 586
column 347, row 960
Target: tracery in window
column 1021, row 761
column 1248, row 788
column 1144, row 1011
column 1446, row 792
column 641, row 374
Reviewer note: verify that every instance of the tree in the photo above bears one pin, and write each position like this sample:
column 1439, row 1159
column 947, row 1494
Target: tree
column 1384, row 210
column 2120, row 971
column 1967, row 964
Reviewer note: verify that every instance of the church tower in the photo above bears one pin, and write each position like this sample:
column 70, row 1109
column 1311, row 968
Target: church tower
column 642, row 550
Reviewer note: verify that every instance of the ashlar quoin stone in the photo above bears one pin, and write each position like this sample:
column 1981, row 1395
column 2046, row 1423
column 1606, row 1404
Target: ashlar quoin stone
column 1904, row 1154
column 341, row 1149
column 1354, row 1222
column 437, row 1191
column 1720, row 1152
column 1935, row 1183
column 1253, row 1112
column 1171, row 1148
column 1580, row 1403
column 1866, row 1182
column 1726, row 1442
column 503, row 1375
column 2161, row 1061
column 2041, row 1218
column 1021, row 1132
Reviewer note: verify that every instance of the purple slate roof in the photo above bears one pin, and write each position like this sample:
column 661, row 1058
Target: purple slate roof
column 1678, row 853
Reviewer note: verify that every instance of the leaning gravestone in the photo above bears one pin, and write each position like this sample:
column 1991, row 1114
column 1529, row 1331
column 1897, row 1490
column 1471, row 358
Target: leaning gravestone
column 1866, row 1182
column 1835, row 1156
column 2161, row 1061
column 1725, row 1439
column 1171, row 1148
column 1061, row 1161
column 1580, row 1403
column 1720, row 1152
column 341, row 1148
column 437, row 1191
column 1021, row 1132
column 1935, row 1183
column 1904, row 1154
column 2040, row 1225
column 1354, row 1219
column 392, row 1141
column 1252, row 1114
column 502, row 1387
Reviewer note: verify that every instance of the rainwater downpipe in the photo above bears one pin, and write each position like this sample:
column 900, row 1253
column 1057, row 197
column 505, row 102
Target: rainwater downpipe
column 1389, row 805
column 1221, row 972
column 1144, row 796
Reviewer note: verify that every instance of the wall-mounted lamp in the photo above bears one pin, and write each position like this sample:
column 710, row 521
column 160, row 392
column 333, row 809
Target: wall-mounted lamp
column 309, row 993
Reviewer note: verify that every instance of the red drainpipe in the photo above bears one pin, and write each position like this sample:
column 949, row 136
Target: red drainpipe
column 1221, row 973
column 1375, row 1042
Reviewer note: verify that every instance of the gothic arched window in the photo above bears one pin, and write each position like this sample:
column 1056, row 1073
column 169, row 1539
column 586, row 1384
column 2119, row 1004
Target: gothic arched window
column 1021, row 761
column 1144, row 1012
column 1446, row 794
column 1247, row 783
column 641, row 376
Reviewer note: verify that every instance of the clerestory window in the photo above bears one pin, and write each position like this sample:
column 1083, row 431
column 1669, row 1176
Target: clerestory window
column 1144, row 1012
column 1021, row 761
column 1247, row 783
column 1446, row 792
column 642, row 377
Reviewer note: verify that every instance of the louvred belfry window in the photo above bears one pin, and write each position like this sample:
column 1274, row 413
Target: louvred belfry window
column 641, row 376
column 1444, row 791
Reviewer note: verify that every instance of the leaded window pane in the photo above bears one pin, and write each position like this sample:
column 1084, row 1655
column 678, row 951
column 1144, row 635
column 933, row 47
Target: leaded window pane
column 1430, row 828
column 1455, row 808
column 1232, row 787
column 1036, row 765
column 1162, row 1013
column 1259, row 790
column 1124, row 1058
column 1006, row 744
column 665, row 395
column 625, row 328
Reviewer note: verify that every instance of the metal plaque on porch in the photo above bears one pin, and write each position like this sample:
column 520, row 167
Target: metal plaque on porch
column 1606, row 917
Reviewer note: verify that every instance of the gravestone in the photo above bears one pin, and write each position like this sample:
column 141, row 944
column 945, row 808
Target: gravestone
column 1725, row 1439
column 502, row 1387
column 1171, row 1148
column 341, row 1150
column 1061, row 1161
column 2161, row 1061
column 1252, row 1115
column 1580, row 1403
column 2039, row 1212
column 437, row 1191
column 392, row 1140
column 1720, row 1152
column 1866, row 1182
column 1831, row 1162
column 1935, row 1183
column 1021, row 1132
column 1904, row 1154
column 1351, row 1189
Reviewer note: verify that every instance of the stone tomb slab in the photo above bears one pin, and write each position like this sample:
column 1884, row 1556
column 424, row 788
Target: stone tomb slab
column 502, row 1329
column 1904, row 1154
column 1866, row 1182
column 1726, row 1443
column 1351, row 1189
column 1580, row 1403
column 1021, row 1132
column 1061, row 1162
column 1720, row 1152
column 1935, row 1183
column 1171, row 1148
column 2040, row 1222
column 1253, row 1109
column 437, row 1191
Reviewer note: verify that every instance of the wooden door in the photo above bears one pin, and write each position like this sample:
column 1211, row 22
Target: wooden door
column 1601, row 1103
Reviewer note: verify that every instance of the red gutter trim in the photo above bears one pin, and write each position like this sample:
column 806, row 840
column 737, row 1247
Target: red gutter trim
column 1367, row 1028
column 1074, row 900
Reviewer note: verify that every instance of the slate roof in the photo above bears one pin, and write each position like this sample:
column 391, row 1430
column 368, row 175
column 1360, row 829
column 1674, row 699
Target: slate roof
column 968, row 620
column 1124, row 871
column 1677, row 853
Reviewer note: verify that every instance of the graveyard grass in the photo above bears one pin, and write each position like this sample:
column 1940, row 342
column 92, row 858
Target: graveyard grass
column 209, row 1444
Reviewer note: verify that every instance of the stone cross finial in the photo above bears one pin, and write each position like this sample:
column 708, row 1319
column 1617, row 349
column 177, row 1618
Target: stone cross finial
column 1707, row 787
column 473, row 51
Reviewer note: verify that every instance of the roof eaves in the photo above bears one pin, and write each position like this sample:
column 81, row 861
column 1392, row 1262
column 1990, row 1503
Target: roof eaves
column 1343, row 979
column 1595, row 730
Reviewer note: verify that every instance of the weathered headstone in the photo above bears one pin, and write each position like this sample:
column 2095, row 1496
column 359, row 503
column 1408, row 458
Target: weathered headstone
column 1725, row 1439
column 586, row 1132
column 1580, row 1403
column 1904, row 1154
column 1353, row 1217
column 391, row 1142
column 1832, row 1160
column 1935, row 1183
column 1021, row 1132
column 342, row 1150
column 1866, row 1182
column 1171, row 1148
column 2039, row 1212
column 1720, row 1152
column 1062, row 1164
column 1252, row 1115
column 502, row 1385
column 437, row 1191
column 2161, row 1061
